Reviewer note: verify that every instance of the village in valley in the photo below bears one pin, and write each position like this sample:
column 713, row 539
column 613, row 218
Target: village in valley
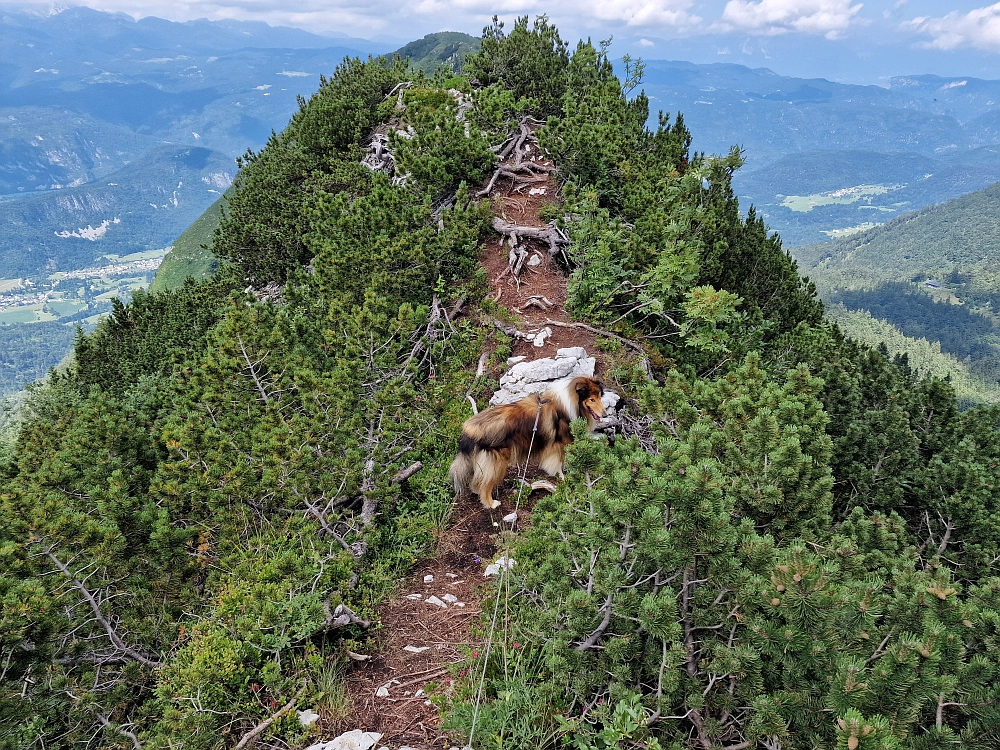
column 79, row 296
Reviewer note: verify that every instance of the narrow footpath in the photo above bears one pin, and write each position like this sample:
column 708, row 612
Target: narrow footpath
column 426, row 630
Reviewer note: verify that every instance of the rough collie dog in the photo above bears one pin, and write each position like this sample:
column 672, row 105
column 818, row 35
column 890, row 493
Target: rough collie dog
column 499, row 436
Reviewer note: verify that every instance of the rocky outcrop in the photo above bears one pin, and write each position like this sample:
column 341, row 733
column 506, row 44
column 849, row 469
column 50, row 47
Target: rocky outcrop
column 536, row 376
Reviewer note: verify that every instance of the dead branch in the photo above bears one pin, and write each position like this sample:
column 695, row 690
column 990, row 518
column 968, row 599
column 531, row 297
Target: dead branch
column 515, row 175
column 252, row 735
column 106, row 723
column 599, row 332
column 254, row 368
column 457, row 307
column 538, row 300
column 380, row 157
column 341, row 617
column 319, row 515
column 512, row 331
column 398, row 89
column 95, row 607
column 516, row 260
column 369, row 503
column 408, row 472
column 594, row 637
column 550, row 234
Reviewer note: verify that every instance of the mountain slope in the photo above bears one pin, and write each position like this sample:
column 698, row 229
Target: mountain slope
column 961, row 236
column 142, row 206
column 190, row 255
column 447, row 48
column 202, row 521
column 955, row 246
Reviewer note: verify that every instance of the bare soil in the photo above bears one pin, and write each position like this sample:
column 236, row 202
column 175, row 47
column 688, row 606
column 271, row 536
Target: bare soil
column 406, row 716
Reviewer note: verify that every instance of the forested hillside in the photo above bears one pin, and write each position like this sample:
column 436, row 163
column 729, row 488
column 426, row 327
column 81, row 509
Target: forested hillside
column 933, row 274
column 792, row 543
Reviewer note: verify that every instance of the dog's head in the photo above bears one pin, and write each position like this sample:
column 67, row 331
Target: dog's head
column 588, row 392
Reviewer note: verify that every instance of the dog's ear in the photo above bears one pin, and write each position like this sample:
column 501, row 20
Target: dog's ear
column 582, row 386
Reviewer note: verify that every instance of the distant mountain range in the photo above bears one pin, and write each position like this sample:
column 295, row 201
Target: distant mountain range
column 824, row 158
column 116, row 134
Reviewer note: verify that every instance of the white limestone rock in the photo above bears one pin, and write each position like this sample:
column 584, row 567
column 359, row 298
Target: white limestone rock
column 610, row 400
column 541, row 336
column 308, row 717
column 502, row 563
column 525, row 378
column 571, row 352
column 353, row 740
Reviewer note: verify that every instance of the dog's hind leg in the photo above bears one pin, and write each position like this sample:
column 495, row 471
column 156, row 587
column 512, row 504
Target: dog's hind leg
column 551, row 460
column 491, row 467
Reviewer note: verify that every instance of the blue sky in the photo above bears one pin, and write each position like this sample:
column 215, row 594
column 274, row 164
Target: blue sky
column 937, row 34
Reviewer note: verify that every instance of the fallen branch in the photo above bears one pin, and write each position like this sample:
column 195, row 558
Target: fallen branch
column 408, row 472
column 341, row 617
column 429, row 675
column 516, row 175
column 599, row 332
column 254, row 733
column 540, row 301
column 511, row 330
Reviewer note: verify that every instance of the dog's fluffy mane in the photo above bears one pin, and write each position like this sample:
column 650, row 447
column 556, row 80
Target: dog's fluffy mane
column 497, row 437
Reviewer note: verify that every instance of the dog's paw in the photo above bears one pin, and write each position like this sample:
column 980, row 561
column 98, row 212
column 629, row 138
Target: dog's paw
column 491, row 504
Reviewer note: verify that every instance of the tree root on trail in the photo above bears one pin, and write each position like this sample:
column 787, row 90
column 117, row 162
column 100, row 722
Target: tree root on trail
column 523, row 171
column 551, row 234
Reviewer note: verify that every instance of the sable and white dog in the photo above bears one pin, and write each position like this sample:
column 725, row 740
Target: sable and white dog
column 501, row 435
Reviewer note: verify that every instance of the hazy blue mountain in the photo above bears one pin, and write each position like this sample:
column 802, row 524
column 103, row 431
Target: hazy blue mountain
column 825, row 159
column 116, row 135
column 137, row 208
column 865, row 56
column 105, row 118
column 74, row 149
column 772, row 115
column 97, row 112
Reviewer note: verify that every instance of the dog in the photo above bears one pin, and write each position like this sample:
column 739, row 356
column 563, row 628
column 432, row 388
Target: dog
column 501, row 435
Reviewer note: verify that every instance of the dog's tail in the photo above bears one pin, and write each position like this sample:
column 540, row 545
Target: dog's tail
column 461, row 471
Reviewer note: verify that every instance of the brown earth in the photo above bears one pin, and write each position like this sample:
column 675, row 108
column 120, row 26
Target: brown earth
column 405, row 716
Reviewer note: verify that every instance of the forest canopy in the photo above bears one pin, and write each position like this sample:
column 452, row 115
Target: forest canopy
column 793, row 546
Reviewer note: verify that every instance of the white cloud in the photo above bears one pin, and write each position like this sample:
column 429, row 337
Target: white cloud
column 672, row 13
column 977, row 28
column 827, row 17
column 372, row 17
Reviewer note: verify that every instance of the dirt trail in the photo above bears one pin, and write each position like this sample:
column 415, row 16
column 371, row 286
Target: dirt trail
column 445, row 634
